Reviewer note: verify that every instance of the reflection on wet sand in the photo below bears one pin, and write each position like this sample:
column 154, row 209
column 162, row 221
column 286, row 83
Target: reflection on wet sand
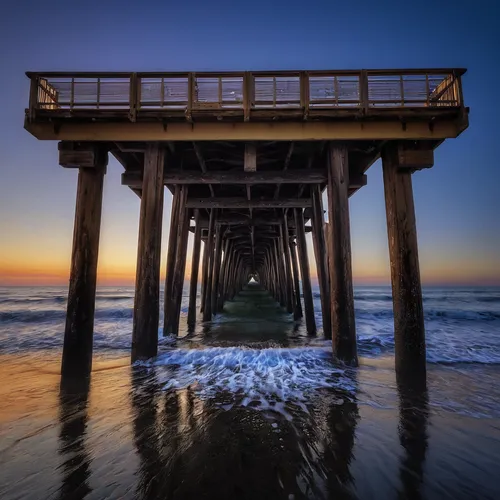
column 413, row 422
column 189, row 448
column 75, row 468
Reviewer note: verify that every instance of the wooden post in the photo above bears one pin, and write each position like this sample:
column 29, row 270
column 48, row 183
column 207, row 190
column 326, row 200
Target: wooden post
column 209, row 248
column 320, row 253
column 298, row 305
column 171, row 255
column 216, row 268
column 409, row 330
column 304, row 271
column 79, row 330
column 147, row 284
column 195, row 264
column 284, row 250
column 342, row 297
column 206, row 260
column 281, row 277
column 180, row 264
column 223, row 282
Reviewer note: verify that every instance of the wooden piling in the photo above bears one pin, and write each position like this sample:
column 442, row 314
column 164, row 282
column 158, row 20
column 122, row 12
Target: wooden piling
column 409, row 332
column 209, row 248
column 206, row 259
column 147, row 285
column 304, row 271
column 195, row 264
column 216, row 268
column 180, row 264
column 341, row 291
column 171, row 256
column 285, row 252
column 321, row 256
column 223, row 280
column 298, row 305
column 79, row 329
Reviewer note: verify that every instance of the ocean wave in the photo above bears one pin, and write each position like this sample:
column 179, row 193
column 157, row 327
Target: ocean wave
column 265, row 379
column 430, row 314
column 42, row 316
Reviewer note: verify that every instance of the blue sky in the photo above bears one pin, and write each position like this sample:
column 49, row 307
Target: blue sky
column 457, row 202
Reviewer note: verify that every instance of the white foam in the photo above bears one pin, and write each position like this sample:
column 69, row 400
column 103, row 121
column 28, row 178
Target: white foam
column 266, row 379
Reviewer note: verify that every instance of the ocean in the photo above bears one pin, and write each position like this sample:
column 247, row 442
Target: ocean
column 249, row 405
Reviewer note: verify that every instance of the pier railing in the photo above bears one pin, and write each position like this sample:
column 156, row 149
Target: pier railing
column 244, row 92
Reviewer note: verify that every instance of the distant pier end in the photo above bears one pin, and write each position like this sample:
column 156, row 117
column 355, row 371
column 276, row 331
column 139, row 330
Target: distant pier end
column 247, row 156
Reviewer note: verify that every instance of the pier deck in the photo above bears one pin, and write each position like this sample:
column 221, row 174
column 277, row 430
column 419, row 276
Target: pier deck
column 247, row 157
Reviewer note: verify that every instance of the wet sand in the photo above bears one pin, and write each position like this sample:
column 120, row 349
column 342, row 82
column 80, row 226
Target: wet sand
column 125, row 437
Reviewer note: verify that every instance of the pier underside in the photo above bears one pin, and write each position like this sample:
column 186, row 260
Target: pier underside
column 248, row 158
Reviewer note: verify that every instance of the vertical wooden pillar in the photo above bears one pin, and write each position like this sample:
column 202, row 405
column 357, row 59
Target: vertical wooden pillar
column 409, row 330
column 171, row 255
column 304, row 271
column 298, row 305
column 79, row 330
column 223, row 281
column 320, row 253
column 180, row 264
column 216, row 267
column 147, row 284
column 206, row 259
column 209, row 248
column 281, row 278
column 342, row 297
column 285, row 252
column 195, row 264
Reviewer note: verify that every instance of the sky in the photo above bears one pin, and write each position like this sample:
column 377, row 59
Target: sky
column 457, row 202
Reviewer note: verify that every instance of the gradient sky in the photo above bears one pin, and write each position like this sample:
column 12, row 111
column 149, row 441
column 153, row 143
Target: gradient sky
column 457, row 202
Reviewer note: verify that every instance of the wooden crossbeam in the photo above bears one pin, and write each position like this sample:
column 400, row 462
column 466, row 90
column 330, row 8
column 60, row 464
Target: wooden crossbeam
column 134, row 178
column 244, row 203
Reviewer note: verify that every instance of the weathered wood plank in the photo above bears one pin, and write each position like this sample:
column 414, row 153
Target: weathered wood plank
column 250, row 158
column 415, row 158
column 79, row 155
column 134, row 178
column 341, row 291
column 409, row 332
column 78, row 332
column 246, row 131
column 147, row 286
column 244, row 203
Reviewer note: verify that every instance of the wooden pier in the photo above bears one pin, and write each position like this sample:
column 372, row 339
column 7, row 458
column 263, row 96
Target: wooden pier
column 247, row 157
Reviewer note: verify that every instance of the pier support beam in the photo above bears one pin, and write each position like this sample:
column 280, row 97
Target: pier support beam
column 216, row 268
column 285, row 252
column 171, row 256
column 321, row 255
column 174, row 301
column 298, row 305
column 195, row 264
column 147, row 284
column 342, row 296
column 409, row 330
column 79, row 330
column 304, row 271
column 209, row 249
